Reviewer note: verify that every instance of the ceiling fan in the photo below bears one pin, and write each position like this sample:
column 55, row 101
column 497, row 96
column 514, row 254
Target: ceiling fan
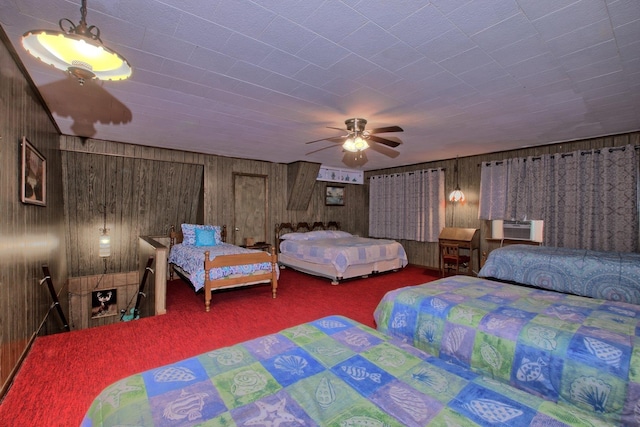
column 357, row 140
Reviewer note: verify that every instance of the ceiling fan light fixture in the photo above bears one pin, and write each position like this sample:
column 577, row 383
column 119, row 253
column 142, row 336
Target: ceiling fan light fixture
column 77, row 50
column 355, row 144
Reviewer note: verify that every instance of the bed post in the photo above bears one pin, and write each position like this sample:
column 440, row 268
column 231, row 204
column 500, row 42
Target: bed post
column 274, row 271
column 207, row 285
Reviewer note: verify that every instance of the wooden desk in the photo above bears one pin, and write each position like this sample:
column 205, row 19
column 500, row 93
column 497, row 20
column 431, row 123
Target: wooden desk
column 465, row 238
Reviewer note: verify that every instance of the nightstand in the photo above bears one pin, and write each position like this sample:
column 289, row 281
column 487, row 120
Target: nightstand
column 258, row 245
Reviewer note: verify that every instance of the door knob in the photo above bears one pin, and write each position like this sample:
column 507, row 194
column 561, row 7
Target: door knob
column 236, row 229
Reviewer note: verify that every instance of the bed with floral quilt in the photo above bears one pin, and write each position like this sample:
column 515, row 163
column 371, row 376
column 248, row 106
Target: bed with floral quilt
column 203, row 259
column 582, row 351
column 326, row 251
column 329, row 372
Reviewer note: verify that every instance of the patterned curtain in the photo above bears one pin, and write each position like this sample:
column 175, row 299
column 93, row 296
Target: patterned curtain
column 587, row 199
column 407, row 206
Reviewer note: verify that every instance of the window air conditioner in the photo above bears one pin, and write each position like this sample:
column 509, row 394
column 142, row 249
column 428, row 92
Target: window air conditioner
column 517, row 230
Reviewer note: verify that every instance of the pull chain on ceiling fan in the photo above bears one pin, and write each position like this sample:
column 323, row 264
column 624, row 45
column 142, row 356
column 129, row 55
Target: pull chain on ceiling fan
column 357, row 140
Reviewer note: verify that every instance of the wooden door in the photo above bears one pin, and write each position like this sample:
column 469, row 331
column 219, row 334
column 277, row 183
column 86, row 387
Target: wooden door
column 250, row 208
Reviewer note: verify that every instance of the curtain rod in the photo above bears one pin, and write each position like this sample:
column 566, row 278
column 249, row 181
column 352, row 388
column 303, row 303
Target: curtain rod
column 563, row 155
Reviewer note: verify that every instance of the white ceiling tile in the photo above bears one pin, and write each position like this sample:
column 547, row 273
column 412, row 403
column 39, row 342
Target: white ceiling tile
column 586, row 57
column 378, row 11
column 505, row 33
column 623, row 12
column 397, row 56
column 368, row 40
column 419, row 70
column 478, row 15
column 424, row 25
column 244, row 16
column 582, row 38
column 535, row 9
column 577, row 15
column 323, row 52
column 351, row 66
column 251, row 73
column 191, row 29
column 246, row 49
column 466, row 61
column 283, row 63
column 628, row 33
column 210, row 60
column 519, row 51
column 314, row 75
column 446, row 45
column 334, row 20
column 286, row 35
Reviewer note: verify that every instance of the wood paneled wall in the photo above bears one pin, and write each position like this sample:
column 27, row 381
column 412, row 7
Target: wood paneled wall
column 144, row 191
column 466, row 214
column 30, row 235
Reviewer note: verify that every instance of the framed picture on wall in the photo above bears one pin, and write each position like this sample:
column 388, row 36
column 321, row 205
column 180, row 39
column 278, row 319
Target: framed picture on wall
column 104, row 303
column 334, row 195
column 33, row 189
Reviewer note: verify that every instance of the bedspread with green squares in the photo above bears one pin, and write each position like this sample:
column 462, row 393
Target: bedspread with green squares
column 564, row 348
column 329, row 372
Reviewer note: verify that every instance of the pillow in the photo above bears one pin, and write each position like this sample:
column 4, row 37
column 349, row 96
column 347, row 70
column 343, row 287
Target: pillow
column 327, row 234
column 189, row 233
column 294, row 236
column 205, row 237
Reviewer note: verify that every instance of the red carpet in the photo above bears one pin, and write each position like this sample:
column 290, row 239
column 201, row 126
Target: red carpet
column 64, row 372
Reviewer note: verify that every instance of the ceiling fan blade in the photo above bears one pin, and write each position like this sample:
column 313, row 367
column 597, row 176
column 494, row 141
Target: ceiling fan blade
column 342, row 129
column 331, row 139
column 320, row 149
column 355, row 159
column 391, row 143
column 387, row 129
column 382, row 149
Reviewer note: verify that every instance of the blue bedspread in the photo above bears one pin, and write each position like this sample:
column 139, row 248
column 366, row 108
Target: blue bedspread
column 563, row 348
column 191, row 260
column 329, row 372
column 607, row 275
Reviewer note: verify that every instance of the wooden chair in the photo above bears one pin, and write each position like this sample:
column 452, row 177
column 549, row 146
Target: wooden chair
column 452, row 259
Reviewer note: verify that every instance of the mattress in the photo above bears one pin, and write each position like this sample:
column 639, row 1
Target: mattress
column 343, row 252
column 329, row 372
column 563, row 348
column 606, row 275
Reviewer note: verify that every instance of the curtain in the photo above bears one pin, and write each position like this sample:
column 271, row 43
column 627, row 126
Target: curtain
column 587, row 199
column 407, row 206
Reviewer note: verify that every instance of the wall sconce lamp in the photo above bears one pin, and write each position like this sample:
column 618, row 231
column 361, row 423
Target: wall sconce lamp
column 105, row 239
column 456, row 195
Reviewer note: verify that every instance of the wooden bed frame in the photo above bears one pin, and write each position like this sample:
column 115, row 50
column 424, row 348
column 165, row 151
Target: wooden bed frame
column 228, row 260
column 327, row 271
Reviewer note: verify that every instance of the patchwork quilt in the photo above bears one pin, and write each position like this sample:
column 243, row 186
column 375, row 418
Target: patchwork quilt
column 190, row 259
column 607, row 275
column 563, row 348
column 344, row 251
column 329, row 372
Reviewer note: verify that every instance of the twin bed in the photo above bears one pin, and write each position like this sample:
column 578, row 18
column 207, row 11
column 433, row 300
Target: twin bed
column 459, row 351
column 202, row 258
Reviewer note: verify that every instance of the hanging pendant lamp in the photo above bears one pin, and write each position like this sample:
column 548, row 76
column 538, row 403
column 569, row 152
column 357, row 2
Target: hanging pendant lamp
column 77, row 50
column 456, row 195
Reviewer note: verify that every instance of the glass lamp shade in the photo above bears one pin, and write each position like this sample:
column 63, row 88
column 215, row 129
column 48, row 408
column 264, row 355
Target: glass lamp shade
column 80, row 56
column 456, row 195
column 105, row 244
column 355, row 144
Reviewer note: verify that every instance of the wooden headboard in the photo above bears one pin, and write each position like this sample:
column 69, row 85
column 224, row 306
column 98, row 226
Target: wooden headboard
column 302, row 227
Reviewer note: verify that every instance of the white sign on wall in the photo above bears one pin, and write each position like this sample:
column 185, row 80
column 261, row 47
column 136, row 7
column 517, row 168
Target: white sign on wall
column 346, row 176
